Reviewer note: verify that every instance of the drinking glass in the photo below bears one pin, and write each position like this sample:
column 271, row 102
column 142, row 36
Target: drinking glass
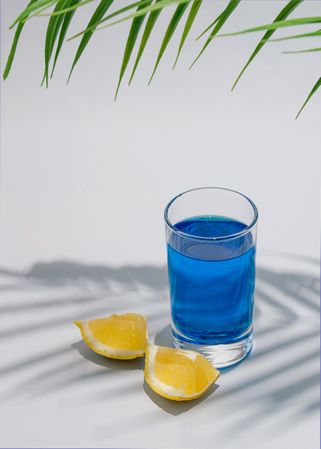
column 211, row 245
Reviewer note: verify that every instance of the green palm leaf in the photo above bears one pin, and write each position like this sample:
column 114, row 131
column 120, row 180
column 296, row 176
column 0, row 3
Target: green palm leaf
column 64, row 10
column 209, row 27
column 220, row 22
column 14, row 47
column 153, row 16
column 98, row 14
column 64, row 28
column 297, row 36
column 284, row 13
column 178, row 14
column 308, row 50
column 154, row 7
column 31, row 8
column 108, row 17
column 53, row 28
column 188, row 25
column 39, row 11
column 131, row 40
column 312, row 92
column 276, row 25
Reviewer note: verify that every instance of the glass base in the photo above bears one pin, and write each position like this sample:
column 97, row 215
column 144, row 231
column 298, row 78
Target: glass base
column 221, row 355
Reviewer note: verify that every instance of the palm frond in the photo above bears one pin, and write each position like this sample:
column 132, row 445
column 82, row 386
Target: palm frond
column 188, row 25
column 33, row 6
column 307, row 50
column 297, row 36
column 142, row 12
column 39, row 12
column 110, row 16
column 232, row 5
column 276, row 25
column 14, row 46
column 284, row 13
column 178, row 14
column 61, row 13
column 131, row 40
column 98, row 14
column 64, row 28
column 209, row 27
column 54, row 25
column 151, row 21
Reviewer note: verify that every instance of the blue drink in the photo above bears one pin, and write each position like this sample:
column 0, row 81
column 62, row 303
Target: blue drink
column 211, row 238
column 211, row 282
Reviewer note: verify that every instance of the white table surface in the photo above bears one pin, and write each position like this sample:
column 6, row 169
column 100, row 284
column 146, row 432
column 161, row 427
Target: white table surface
column 84, row 183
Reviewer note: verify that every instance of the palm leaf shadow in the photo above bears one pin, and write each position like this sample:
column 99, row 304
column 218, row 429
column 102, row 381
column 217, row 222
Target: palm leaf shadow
column 295, row 288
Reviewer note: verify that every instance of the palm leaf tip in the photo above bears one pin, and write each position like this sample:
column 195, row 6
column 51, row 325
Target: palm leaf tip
column 54, row 25
column 312, row 92
column 130, row 44
column 284, row 13
column 276, row 25
column 117, row 90
column 12, row 52
column 218, row 23
column 307, row 50
column 151, row 21
column 15, row 41
column 64, row 28
column 188, row 25
column 208, row 28
column 176, row 18
column 147, row 32
column 98, row 14
column 297, row 36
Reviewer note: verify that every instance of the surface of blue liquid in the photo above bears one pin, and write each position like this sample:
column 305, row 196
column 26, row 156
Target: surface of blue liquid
column 211, row 281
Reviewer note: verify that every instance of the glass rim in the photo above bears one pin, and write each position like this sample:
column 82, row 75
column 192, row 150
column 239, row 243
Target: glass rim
column 244, row 231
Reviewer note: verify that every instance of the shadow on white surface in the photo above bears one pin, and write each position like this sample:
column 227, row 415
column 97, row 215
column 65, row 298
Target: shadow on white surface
column 280, row 378
column 99, row 360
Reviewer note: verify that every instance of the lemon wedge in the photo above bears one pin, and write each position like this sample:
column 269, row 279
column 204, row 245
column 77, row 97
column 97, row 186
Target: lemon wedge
column 117, row 336
column 176, row 374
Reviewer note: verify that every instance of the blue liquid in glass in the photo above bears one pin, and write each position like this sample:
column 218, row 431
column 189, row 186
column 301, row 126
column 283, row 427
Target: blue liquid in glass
column 211, row 282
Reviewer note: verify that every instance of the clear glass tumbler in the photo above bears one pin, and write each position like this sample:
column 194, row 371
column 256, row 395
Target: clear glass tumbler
column 211, row 239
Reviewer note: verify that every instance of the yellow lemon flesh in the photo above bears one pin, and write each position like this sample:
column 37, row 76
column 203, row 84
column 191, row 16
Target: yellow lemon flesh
column 176, row 374
column 117, row 336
